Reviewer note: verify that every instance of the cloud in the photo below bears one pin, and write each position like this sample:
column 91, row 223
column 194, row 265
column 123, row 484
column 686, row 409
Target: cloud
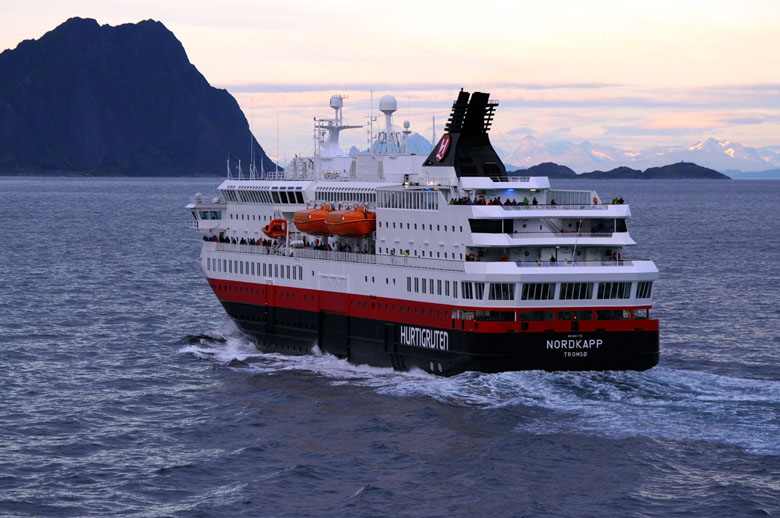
column 521, row 131
column 643, row 131
column 409, row 87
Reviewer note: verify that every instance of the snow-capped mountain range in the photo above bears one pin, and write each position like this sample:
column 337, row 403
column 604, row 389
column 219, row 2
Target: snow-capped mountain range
column 721, row 155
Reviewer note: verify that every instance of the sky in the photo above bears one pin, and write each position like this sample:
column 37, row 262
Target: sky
column 630, row 74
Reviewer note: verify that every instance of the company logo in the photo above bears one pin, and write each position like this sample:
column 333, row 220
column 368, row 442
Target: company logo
column 427, row 338
column 444, row 145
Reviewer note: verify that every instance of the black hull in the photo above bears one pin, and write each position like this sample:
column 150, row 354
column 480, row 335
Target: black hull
column 441, row 351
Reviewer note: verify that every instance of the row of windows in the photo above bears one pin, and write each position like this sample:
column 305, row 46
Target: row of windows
column 531, row 290
column 413, row 226
column 264, row 196
column 406, row 199
column 365, row 195
column 278, row 271
column 210, row 214
column 584, row 290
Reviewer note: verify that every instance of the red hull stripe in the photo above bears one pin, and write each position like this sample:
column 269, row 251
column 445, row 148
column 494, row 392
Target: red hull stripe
column 428, row 314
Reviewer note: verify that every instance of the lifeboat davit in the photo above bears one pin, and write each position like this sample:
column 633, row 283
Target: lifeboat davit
column 355, row 222
column 312, row 221
column 276, row 228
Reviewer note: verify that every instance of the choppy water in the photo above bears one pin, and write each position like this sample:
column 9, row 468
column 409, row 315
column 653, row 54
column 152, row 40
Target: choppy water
column 126, row 390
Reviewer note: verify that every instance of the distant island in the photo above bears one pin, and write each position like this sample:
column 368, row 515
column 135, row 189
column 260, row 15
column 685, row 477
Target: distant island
column 680, row 170
column 124, row 100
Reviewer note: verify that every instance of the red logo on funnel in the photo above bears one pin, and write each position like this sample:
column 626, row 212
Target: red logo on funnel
column 444, row 145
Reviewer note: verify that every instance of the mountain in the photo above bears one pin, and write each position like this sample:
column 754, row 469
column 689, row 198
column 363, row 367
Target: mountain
column 548, row 169
column 94, row 99
column 418, row 145
column 771, row 174
column 580, row 157
column 680, row 170
column 720, row 155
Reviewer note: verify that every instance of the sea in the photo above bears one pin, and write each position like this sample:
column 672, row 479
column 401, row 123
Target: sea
column 125, row 390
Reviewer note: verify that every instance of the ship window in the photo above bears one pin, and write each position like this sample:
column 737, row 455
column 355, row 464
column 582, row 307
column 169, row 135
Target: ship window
column 455, row 289
column 438, row 286
column 538, row 291
column 575, row 315
column 415, row 226
column 641, row 314
column 614, row 290
column 409, row 284
column 446, row 288
column 299, row 197
column 644, row 289
column 288, row 271
column 479, row 290
column 613, row 314
column 535, row 316
column 423, row 286
column 495, row 316
column 501, row 291
column 275, row 196
column 407, row 226
column 276, row 270
column 265, row 274
column 430, row 286
column 466, row 290
column 416, row 285
column 576, row 290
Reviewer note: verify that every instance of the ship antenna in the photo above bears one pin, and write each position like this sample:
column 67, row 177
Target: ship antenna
column 252, row 171
column 371, row 124
column 277, row 140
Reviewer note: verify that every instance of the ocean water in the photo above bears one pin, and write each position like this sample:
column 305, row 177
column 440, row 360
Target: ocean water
column 121, row 392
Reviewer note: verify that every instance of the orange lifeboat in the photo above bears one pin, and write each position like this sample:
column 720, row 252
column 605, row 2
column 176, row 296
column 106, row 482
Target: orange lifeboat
column 276, row 228
column 355, row 222
column 312, row 221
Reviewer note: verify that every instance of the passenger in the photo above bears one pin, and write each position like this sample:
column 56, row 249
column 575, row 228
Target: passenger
column 525, row 200
column 552, row 202
column 535, row 202
column 553, row 259
column 595, row 201
column 620, row 201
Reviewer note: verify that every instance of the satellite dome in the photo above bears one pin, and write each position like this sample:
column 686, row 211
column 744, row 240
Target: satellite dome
column 336, row 102
column 388, row 104
column 406, row 124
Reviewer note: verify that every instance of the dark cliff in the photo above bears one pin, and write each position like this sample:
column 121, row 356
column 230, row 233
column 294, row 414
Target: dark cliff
column 679, row 171
column 94, row 99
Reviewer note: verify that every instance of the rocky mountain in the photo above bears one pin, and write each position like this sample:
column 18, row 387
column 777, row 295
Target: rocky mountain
column 720, row 155
column 124, row 100
column 680, row 170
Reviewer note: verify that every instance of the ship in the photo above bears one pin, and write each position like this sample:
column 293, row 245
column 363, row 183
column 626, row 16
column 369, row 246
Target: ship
column 440, row 262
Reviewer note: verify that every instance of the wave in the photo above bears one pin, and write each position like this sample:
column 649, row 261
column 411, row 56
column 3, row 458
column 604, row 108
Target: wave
column 661, row 403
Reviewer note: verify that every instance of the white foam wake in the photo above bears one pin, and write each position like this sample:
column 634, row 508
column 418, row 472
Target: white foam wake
column 662, row 402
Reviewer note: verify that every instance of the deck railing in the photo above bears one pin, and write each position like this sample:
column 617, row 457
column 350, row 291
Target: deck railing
column 349, row 257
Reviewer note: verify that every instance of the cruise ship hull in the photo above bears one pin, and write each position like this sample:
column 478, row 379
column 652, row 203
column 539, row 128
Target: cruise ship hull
column 443, row 351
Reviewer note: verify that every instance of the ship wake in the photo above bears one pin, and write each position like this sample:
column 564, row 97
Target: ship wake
column 664, row 403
